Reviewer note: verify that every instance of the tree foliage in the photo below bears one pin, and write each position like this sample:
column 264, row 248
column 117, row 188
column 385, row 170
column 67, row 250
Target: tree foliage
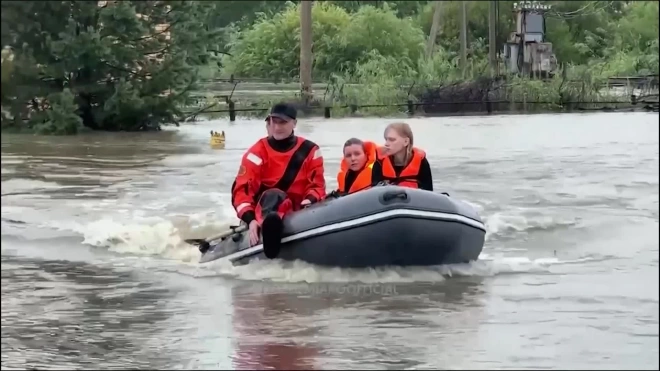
column 621, row 35
column 119, row 65
column 129, row 65
column 270, row 48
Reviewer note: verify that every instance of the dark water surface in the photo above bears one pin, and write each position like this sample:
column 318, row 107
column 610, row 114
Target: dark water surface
column 95, row 273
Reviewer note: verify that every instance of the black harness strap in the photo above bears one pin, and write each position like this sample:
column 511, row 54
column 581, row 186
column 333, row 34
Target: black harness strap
column 295, row 165
column 346, row 185
column 292, row 168
column 397, row 180
column 349, row 180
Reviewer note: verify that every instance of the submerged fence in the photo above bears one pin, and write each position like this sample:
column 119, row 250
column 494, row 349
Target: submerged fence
column 639, row 93
column 450, row 108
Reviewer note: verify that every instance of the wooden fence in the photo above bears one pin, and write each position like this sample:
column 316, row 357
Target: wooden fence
column 256, row 95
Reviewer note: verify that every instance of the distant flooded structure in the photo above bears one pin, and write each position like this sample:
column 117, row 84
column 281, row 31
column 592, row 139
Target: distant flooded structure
column 526, row 52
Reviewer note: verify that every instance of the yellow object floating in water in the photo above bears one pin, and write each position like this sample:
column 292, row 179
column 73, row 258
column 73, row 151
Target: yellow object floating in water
column 217, row 140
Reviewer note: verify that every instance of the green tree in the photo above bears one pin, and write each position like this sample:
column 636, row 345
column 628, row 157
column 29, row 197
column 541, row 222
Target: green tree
column 402, row 8
column 271, row 47
column 632, row 42
column 477, row 27
column 61, row 117
column 380, row 30
column 578, row 30
column 129, row 65
column 638, row 26
column 225, row 13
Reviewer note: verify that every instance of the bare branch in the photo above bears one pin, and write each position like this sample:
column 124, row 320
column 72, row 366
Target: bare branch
column 157, row 33
column 127, row 70
column 161, row 51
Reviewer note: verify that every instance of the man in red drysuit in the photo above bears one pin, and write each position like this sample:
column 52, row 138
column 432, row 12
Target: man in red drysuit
column 278, row 174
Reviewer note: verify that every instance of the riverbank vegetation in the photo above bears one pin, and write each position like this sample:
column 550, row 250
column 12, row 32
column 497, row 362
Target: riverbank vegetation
column 107, row 65
column 132, row 65
column 374, row 54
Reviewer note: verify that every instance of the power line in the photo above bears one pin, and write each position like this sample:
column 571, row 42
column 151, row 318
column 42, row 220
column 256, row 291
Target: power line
column 584, row 11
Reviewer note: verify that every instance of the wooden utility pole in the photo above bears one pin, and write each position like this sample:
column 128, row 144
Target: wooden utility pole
column 306, row 57
column 463, row 37
column 492, row 39
column 435, row 25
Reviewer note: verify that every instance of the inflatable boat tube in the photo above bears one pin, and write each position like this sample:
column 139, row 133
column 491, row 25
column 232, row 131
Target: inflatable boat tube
column 381, row 226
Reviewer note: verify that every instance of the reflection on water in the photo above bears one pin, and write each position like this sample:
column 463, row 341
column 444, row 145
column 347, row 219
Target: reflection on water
column 95, row 272
column 300, row 328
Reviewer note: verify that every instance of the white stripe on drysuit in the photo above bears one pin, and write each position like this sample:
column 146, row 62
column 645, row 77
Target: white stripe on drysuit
column 242, row 206
column 254, row 159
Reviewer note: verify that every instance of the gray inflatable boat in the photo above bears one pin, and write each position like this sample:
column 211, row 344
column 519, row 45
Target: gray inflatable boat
column 381, row 226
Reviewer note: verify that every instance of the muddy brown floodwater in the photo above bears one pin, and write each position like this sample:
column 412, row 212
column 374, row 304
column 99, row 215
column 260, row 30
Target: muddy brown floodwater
column 95, row 273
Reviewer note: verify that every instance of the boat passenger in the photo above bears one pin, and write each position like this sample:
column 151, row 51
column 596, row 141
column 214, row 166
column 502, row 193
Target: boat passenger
column 399, row 162
column 278, row 174
column 355, row 171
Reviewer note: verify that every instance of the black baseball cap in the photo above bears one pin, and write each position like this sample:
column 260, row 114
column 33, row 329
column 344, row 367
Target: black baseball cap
column 284, row 111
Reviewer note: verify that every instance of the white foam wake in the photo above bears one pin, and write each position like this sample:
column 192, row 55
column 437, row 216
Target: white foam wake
column 150, row 236
column 162, row 239
column 279, row 271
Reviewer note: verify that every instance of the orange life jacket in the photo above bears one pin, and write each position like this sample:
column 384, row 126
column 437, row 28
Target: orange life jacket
column 363, row 179
column 409, row 174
